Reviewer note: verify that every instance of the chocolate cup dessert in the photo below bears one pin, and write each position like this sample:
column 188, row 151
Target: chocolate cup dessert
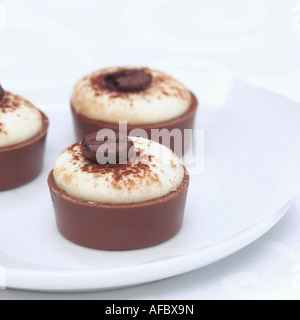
column 21, row 163
column 107, row 197
column 85, row 126
column 147, row 99
column 119, row 226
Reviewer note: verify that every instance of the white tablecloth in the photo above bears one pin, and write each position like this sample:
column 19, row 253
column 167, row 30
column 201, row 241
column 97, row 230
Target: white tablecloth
column 46, row 45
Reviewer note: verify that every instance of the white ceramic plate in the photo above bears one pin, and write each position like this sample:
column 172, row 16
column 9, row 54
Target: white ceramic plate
column 34, row 256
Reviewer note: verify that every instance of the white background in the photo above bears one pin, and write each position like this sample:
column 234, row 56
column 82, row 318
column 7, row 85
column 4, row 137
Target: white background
column 46, row 45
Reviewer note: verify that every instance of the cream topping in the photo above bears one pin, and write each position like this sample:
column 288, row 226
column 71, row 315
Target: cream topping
column 19, row 120
column 158, row 173
column 165, row 99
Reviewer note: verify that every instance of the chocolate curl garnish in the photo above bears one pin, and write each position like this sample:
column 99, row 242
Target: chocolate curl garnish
column 128, row 80
column 107, row 148
column 2, row 93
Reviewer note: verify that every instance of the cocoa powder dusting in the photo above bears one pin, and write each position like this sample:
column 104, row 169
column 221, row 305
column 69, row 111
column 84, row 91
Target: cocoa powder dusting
column 160, row 83
column 123, row 176
column 2, row 130
column 8, row 103
column 173, row 165
column 12, row 102
column 98, row 85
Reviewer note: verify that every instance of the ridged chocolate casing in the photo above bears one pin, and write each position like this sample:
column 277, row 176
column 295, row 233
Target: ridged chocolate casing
column 23, row 162
column 85, row 126
column 119, row 226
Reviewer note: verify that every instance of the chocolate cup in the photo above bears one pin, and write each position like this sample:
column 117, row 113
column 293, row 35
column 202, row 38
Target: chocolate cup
column 85, row 126
column 23, row 162
column 119, row 226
